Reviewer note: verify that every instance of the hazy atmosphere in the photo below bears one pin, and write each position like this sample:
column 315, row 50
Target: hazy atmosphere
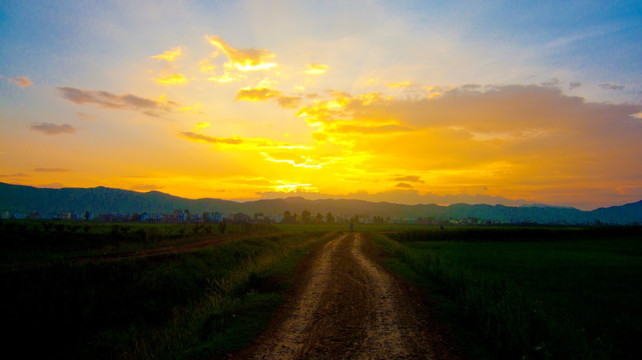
column 407, row 102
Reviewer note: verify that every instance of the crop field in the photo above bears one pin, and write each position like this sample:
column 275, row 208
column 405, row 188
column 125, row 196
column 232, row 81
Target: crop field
column 539, row 293
column 73, row 302
column 185, row 291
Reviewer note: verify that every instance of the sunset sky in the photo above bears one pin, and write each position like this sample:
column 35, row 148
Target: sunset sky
column 506, row 102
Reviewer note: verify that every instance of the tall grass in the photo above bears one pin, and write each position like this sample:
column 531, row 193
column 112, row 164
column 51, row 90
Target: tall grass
column 532, row 300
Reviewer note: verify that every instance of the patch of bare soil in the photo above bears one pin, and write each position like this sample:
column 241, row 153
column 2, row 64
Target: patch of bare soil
column 345, row 306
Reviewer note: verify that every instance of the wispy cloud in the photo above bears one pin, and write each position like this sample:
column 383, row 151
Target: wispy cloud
column 84, row 117
column 171, row 79
column 259, row 94
column 105, row 99
column 289, row 102
column 574, row 84
column 169, row 55
column 210, row 139
column 294, row 160
column 251, row 59
column 316, row 69
column 409, row 178
column 400, row 84
column 606, row 86
column 246, row 143
column 53, row 129
column 13, row 176
column 264, row 94
column 51, row 170
column 21, row 81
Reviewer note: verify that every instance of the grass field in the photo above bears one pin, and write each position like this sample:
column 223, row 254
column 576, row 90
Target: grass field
column 538, row 293
column 193, row 304
column 506, row 292
column 36, row 241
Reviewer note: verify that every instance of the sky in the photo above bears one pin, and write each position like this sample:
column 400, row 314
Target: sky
column 497, row 102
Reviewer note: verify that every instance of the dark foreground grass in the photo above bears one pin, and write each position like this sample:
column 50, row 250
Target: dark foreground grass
column 54, row 240
column 200, row 304
column 534, row 294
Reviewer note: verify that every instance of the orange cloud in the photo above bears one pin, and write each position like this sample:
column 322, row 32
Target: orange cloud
column 258, row 94
column 209, row 139
column 289, row 102
column 206, row 66
column 21, row 81
column 347, row 128
column 316, row 69
column 251, row 59
column 408, row 178
column 169, row 55
column 171, row 79
column 246, row 143
column 399, row 84
column 294, row 160
column 264, row 94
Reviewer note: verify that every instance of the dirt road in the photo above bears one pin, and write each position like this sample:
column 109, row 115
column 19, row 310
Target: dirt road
column 345, row 306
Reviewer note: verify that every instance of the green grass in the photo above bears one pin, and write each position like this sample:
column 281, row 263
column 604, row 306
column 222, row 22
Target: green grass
column 556, row 293
column 199, row 304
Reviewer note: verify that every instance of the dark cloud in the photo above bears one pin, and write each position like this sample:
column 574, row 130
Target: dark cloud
column 409, row 178
column 53, row 129
column 58, row 170
column 506, row 109
column 289, row 102
column 17, row 175
column 365, row 130
column 574, row 84
column 471, row 87
column 83, row 116
column 552, row 82
column 214, row 140
column 108, row 100
column 606, row 86
column 404, row 185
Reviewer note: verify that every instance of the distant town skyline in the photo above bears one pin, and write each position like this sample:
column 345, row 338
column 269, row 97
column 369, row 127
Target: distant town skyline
column 411, row 102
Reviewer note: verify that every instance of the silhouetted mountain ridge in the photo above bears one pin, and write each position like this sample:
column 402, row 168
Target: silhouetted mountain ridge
column 18, row 198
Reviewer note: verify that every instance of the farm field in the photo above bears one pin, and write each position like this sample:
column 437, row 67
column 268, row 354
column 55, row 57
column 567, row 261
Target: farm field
column 79, row 299
column 168, row 291
column 559, row 293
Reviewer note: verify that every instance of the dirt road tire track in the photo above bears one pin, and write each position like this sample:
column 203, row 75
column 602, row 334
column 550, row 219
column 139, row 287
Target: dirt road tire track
column 347, row 307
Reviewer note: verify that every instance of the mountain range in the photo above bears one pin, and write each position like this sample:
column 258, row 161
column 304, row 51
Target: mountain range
column 102, row 200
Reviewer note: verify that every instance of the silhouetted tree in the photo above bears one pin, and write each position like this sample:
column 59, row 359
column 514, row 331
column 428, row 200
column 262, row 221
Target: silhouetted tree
column 289, row 218
column 329, row 218
column 305, row 217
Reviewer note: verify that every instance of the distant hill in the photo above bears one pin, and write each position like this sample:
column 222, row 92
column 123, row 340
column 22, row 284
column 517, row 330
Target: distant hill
column 18, row 198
